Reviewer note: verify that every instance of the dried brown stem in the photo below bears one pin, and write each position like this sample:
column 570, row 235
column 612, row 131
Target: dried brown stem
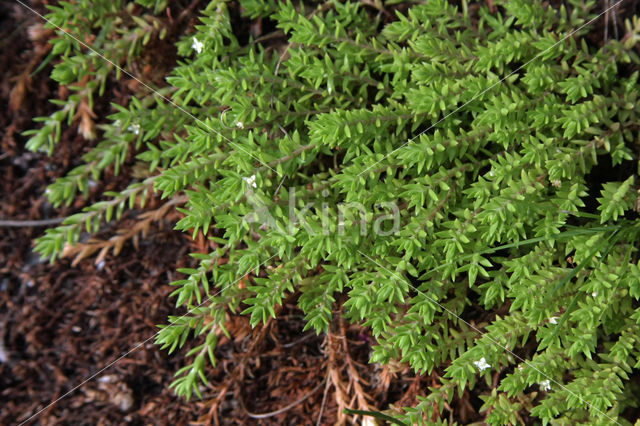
column 31, row 223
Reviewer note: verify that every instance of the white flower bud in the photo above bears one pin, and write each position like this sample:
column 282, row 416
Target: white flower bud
column 251, row 181
column 197, row 45
column 482, row 364
column 545, row 385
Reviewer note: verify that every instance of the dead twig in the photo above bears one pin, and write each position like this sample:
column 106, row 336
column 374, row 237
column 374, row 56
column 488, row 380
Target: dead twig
column 300, row 340
column 615, row 22
column 285, row 408
column 333, row 370
column 31, row 223
column 356, row 381
column 83, row 250
column 606, row 21
column 324, row 399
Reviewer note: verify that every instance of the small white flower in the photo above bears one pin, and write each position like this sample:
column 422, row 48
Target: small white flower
column 545, row 385
column 482, row 364
column 251, row 181
column 553, row 320
column 594, row 294
column 239, row 124
column 135, row 128
column 521, row 368
column 492, row 173
column 197, row 45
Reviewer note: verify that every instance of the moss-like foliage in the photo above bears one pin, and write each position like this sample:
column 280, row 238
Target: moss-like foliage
column 465, row 177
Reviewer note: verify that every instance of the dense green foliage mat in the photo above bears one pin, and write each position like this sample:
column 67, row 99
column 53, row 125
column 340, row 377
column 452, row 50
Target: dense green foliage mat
column 465, row 176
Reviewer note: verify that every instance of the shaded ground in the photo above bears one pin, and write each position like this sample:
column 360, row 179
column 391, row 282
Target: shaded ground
column 60, row 324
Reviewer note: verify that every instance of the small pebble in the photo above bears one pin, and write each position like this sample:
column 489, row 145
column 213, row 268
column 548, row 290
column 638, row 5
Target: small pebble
column 4, row 357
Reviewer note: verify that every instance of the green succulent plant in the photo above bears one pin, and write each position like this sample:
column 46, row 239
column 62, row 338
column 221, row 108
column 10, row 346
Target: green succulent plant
column 442, row 167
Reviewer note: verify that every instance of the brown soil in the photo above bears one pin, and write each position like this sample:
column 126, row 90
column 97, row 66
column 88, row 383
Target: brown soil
column 76, row 342
column 61, row 325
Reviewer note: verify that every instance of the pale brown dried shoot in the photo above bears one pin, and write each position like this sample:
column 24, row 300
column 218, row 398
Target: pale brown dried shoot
column 141, row 228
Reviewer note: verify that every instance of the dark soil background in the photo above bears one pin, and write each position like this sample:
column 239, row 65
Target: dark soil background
column 61, row 324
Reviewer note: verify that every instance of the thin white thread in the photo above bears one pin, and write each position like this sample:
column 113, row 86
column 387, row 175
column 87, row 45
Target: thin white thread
column 112, row 363
column 183, row 111
column 487, row 89
column 148, row 87
column 371, row 259
column 489, row 337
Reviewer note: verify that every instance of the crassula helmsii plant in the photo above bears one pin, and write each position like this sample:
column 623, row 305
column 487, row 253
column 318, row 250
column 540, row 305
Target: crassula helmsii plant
column 464, row 175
